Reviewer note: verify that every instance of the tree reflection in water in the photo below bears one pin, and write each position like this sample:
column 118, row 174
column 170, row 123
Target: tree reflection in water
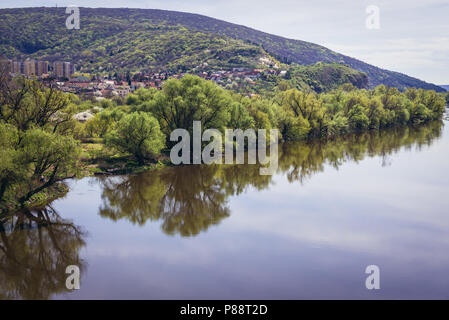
column 35, row 249
column 37, row 246
column 188, row 199
column 301, row 160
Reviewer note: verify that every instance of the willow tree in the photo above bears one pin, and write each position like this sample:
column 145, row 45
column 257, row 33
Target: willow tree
column 181, row 101
column 138, row 134
column 37, row 147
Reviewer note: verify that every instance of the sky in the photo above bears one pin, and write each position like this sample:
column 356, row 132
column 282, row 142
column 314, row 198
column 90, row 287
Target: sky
column 412, row 35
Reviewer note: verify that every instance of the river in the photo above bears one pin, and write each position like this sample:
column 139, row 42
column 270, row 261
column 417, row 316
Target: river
column 225, row 232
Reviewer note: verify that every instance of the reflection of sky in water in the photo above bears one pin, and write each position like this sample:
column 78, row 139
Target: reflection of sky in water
column 288, row 241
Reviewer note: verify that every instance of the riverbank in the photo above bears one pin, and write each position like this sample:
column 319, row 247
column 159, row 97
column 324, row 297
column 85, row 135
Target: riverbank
column 373, row 198
column 38, row 200
column 97, row 160
column 119, row 165
column 127, row 137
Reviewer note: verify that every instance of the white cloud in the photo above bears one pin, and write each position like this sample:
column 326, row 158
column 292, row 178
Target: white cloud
column 422, row 58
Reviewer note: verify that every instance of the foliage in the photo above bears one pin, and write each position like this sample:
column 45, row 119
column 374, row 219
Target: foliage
column 36, row 148
column 120, row 44
column 139, row 134
column 121, row 40
column 103, row 122
column 38, row 136
column 297, row 114
column 191, row 98
column 322, row 77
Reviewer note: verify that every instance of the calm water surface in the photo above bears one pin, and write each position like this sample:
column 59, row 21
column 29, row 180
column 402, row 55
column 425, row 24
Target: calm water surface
column 222, row 232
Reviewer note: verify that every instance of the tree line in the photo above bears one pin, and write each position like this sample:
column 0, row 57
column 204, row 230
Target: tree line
column 40, row 142
column 299, row 115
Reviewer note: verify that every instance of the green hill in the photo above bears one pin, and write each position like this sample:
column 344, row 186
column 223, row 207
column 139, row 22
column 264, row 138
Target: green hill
column 110, row 43
column 120, row 40
column 322, row 77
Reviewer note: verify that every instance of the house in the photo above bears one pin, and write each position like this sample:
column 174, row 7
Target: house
column 122, row 91
column 106, row 92
column 136, row 85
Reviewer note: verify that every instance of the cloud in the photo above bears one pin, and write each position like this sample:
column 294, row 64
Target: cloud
column 422, row 58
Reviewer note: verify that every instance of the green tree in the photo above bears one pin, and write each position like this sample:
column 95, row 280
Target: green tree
column 10, row 170
column 191, row 98
column 37, row 148
column 27, row 103
column 49, row 157
column 103, row 122
column 357, row 118
column 139, row 134
column 240, row 117
column 33, row 161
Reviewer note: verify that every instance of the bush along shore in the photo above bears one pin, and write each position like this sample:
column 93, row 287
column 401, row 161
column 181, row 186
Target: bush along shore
column 43, row 141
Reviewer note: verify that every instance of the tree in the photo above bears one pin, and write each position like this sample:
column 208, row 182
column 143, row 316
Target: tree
column 191, row 98
column 49, row 157
column 103, row 122
column 10, row 171
column 337, row 125
column 357, row 118
column 36, row 148
column 240, row 117
column 307, row 110
column 139, row 134
column 33, row 161
column 132, row 99
column 26, row 103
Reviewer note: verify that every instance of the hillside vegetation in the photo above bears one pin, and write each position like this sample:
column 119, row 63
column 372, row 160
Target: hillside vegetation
column 116, row 40
column 106, row 44
column 322, row 77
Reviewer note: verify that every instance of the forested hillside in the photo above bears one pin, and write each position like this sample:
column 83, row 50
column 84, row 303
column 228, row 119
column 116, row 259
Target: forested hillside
column 142, row 39
column 111, row 44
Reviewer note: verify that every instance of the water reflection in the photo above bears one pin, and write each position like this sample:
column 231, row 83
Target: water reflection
column 302, row 160
column 35, row 249
column 189, row 199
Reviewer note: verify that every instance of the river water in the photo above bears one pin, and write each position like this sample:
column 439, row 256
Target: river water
column 225, row 232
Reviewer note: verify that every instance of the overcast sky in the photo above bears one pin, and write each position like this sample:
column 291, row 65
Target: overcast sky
column 413, row 37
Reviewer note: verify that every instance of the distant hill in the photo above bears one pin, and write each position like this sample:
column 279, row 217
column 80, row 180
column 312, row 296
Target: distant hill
column 119, row 40
column 444, row 86
column 322, row 77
